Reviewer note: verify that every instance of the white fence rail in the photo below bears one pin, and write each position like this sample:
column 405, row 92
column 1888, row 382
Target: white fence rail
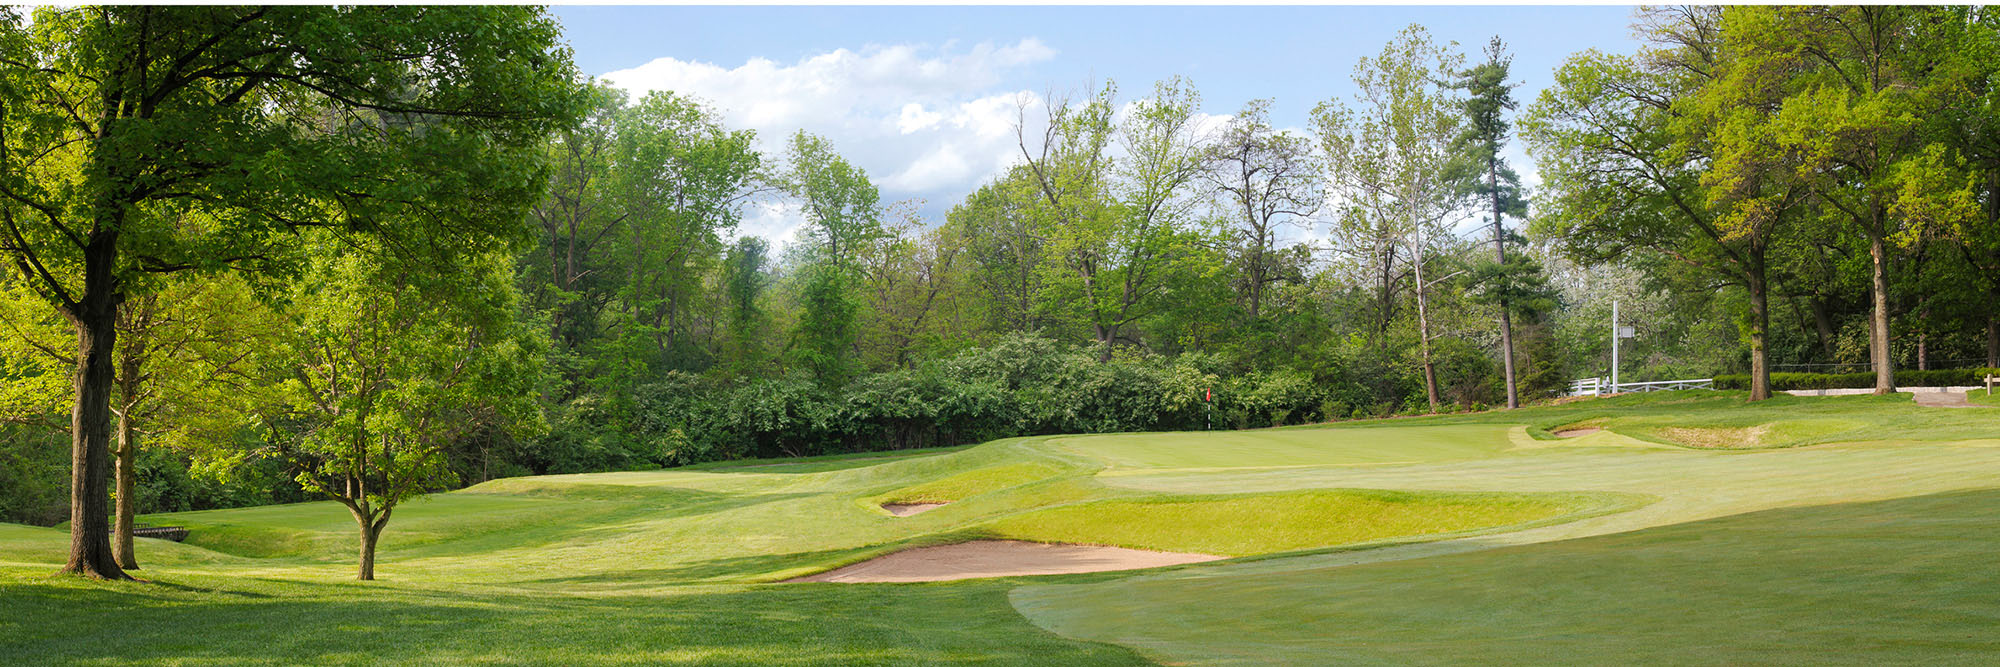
column 1602, row 386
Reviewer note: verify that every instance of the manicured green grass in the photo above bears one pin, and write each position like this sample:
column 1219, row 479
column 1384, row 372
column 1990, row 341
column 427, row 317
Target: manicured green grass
column 215, row 619
column 974, row 482
column 1466, row 538
column 1371, row 443
column 1262, row 524
column 1902, row 581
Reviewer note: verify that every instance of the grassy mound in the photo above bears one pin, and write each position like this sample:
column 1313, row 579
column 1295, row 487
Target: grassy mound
column 1269, row 523
column 974, row 482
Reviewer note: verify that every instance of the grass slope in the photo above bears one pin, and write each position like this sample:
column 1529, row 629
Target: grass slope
column 1610, row 530
column 1886, row 582
column 1260, row 524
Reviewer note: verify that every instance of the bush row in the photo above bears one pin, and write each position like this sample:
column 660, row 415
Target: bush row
column 1951, row 377
column 1022, row 385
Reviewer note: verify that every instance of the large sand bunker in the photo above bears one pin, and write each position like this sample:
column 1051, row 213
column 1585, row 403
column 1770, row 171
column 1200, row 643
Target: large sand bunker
column 1000, row 558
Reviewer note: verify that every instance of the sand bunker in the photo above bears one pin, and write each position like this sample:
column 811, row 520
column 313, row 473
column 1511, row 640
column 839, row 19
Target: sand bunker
column 1945, row 399
column 1577, row 432
column 1000, row 558
column 906, row 509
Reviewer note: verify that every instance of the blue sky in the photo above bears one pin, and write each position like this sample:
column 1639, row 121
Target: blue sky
column 924, row 98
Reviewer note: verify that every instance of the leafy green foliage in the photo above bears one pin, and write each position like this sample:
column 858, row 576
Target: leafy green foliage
column 1956, row 377
column 387, row 366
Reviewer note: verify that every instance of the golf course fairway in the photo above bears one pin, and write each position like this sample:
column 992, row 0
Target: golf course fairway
column 1693, row 528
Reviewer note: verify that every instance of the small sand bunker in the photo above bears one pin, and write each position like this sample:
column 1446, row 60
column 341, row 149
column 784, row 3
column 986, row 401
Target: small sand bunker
column 1000, row 558
column 1945, row 399
column 906, row 509
column 1577, row 432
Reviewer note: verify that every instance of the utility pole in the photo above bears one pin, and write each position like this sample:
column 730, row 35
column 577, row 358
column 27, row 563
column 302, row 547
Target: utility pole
column 1614, row 346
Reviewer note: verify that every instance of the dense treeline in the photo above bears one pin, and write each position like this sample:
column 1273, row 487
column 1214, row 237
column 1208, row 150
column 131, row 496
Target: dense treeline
column 424, row 288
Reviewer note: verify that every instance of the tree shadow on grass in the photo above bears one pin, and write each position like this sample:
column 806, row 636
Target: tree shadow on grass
column 732, row 570
column 763, row 625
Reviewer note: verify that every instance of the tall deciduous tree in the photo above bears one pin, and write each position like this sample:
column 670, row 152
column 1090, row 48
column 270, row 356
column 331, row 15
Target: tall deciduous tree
column 1626, row 146
column 1117, row 228
column 681, row 179
column 744, row 279
column 264, row 119
column 1863, row 79
column 995, row 225
column 176, row 349
column 1391, row 163
column 572, row 278
column 843, row 215
column 1268, row 178
column 842, row 207
column 1070, row 168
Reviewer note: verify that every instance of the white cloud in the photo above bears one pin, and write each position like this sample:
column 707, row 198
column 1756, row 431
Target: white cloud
column 776, row 221
column 922, row 121
column 915, row 118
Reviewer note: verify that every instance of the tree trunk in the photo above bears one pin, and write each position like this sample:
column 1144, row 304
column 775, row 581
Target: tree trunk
column 137, row 316
column 1993, row 341
column 1424, row 330
column 121, row 547
column 1760, row 327
column 1506, row 317
column 371, row 531
column 1878, row 319
column 1923, row 337
column 1823, row 323
column 95, row 318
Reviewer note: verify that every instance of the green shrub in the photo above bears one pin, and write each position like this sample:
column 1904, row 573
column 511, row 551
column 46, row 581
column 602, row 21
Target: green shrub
column 1951, row 377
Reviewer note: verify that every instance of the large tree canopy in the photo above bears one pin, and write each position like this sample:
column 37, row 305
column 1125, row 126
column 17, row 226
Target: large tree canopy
column 137, row 141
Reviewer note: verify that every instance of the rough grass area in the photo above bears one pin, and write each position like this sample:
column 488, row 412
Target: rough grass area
column 1851, row 529
column 1261, row 524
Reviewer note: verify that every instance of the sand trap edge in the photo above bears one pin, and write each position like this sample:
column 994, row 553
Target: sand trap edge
column 984, row 559
column 907, row 509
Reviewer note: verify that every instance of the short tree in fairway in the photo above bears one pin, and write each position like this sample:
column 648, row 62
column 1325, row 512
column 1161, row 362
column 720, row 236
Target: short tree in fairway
column 257, row 122
column 390, row 363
